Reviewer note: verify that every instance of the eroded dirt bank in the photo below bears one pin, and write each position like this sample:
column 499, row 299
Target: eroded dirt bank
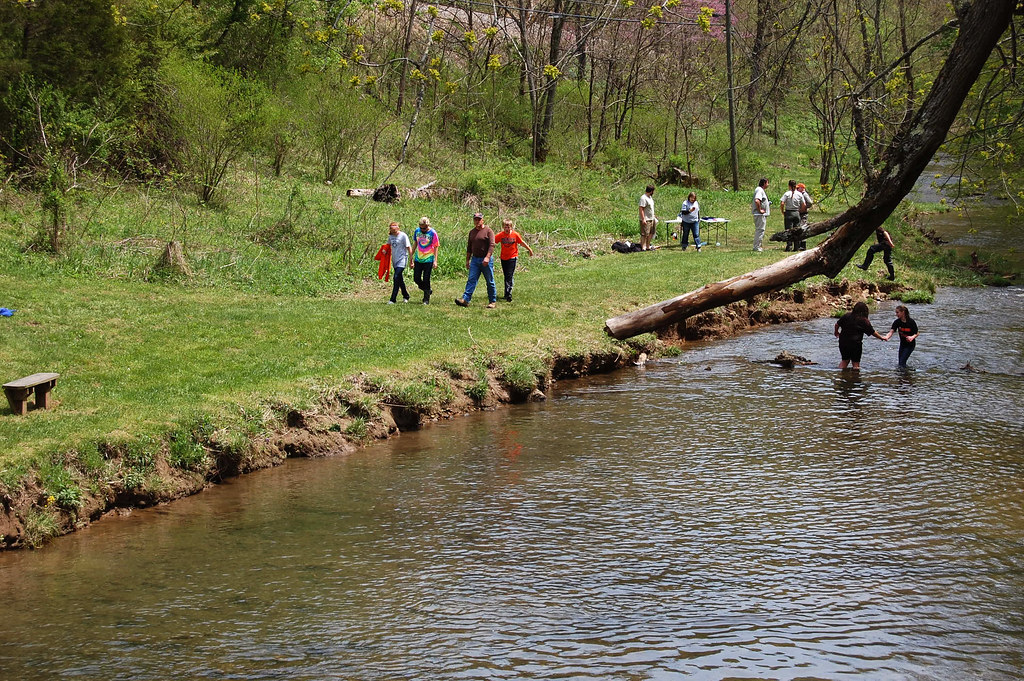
column 121, row 477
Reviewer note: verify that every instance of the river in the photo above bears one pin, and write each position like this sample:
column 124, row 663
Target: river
column 709, row 516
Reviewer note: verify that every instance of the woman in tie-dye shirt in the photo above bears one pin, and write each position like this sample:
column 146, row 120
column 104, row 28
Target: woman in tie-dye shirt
column 424, row 258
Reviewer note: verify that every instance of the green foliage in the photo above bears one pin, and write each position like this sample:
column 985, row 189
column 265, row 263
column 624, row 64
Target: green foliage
column 210, row 118
column 137, row 458
column 186, row 454
column 357, row 428
column 915, row 296
column 518, row 184
column 41, row 524
column 338, row 123
column 59, row 483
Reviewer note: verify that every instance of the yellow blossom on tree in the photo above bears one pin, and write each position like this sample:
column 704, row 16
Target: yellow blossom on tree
column 354, row 81
column 435, row 63
column 119, row 19
column 491, row 31
column 648, row 23
column 417, row 75
column 655, row 11
column 437, row 36
column 551, row 71
column 704, row 19
column 671, row 3
column 435, row 74
column 451, row 86
column 432, row 11
column 494, row 62
column 354, row 32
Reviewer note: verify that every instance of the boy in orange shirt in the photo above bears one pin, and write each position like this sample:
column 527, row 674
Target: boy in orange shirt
column 510, row 241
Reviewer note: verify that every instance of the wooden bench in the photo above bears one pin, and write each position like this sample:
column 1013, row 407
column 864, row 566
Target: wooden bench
column 18, row 392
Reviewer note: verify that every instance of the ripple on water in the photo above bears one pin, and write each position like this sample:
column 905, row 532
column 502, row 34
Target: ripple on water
column 708, row 517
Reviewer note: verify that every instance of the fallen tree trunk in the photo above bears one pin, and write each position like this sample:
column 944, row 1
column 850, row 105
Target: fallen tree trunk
column 426, row 192
column 981, row 25
column 802, row 233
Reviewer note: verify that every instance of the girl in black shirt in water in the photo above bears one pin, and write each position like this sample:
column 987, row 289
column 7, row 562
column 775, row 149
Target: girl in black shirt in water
column 850, row 330
column 907, row 329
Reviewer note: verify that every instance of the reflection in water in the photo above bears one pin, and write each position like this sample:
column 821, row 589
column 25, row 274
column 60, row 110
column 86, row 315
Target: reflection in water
column 850, row 387
column 710, row 517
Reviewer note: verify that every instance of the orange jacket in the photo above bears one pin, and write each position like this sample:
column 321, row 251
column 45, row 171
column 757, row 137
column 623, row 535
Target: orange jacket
column 384, row 256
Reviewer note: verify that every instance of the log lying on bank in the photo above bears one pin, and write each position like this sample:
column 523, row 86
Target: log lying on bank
column 980, row 26
column 389, row 193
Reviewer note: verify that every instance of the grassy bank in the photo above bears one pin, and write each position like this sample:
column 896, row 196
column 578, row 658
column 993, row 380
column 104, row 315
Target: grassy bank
column 170, row 381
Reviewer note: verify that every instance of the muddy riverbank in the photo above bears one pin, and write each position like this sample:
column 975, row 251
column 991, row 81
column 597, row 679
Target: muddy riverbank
column 347, row 417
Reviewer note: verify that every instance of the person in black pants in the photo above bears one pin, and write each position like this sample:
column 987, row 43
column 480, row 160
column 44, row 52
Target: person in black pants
column 426, row 247
column 885, row 245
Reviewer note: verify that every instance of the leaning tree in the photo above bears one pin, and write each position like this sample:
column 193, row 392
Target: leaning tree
column 980, row 25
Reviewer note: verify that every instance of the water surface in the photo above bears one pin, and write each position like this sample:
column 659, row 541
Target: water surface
column 709, row 517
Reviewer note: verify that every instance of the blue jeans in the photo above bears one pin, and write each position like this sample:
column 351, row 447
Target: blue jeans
column 905, row 350
column 476, row 268
column 684, row 238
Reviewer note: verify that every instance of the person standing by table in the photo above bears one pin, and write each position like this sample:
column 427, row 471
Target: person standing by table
column 907, row 329
column 759, row 207
column 510, row 241
column 479, row 252
column 689, row 216
column 425, row 257
column 648, row 222
column 850, row 330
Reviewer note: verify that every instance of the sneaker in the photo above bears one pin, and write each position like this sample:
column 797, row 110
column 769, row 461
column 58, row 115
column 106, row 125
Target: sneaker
column 861, row 267
column 426, row 302
column 462, row 302
column 758, row 250
column 698, row 248
column 391, row 302
column 405, row 300
column 508, row 297
column 491, row 306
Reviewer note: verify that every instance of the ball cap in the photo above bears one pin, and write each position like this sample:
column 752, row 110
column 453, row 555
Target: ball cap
column 478, row 215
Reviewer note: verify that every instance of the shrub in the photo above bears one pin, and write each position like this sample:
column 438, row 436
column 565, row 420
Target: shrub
column 60, row 485
column 358, row 428
column 210, row 117
column 40, row 525
column 915, row 296
column 186, row 454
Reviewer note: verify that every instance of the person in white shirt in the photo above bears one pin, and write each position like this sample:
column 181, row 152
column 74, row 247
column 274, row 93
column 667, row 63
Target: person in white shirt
column 792, row 203
column 760, row 210
column 689, row 216
column 647, row 220
column 401, row 254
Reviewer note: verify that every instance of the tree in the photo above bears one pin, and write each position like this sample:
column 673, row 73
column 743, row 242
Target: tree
column 980, row 25
column 211, row 116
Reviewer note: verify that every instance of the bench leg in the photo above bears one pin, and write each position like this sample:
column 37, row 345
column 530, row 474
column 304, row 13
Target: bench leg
column 18, row 401
column 43, row 400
